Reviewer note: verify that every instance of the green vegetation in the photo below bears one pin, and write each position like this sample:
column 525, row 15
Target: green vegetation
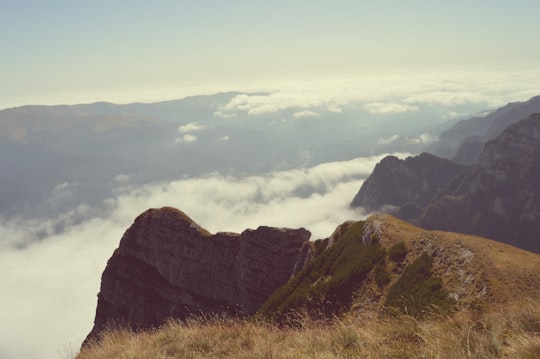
column 329, row 279
column 382, row 277
column 319, row 245
column 397, row 252
column 417, row 290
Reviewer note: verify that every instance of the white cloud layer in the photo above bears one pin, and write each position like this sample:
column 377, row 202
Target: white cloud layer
column 305, row 114
column 388, row 140
column 385, row 108
column 187, row 138
column 191, row 127
column 51, row 285
column 390, row 92
column 422, row 139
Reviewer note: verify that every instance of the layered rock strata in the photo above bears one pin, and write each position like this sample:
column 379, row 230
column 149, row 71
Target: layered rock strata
column 167, row 266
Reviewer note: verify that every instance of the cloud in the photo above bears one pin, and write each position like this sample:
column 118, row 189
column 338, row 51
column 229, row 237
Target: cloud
column 390, row 92
column 188, row 138
column 122, row 178
column 225, row 138
column 191, row 127
column 53, row 282
column 388, row 140
column 186, row 131
column 450, row 115
column 385, row 108
column 334, row 108
column 423, row 139
column 61, row 192
column 451, row 98
column 305, row 114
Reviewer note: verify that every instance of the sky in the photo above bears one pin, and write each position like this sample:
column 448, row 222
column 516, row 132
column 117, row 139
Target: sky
column 63, row 51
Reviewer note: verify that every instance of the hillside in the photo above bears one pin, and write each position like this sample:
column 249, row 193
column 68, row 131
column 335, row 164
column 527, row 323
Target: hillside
column 488, row 291
column 368, row 261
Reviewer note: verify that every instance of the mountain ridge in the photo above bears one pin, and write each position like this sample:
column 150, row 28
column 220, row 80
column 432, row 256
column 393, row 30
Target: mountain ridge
column 463, row 142
column 495, row 198
column 167, row 267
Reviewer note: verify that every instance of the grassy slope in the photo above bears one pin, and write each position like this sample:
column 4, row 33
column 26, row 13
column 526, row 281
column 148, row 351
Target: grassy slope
column 477, row 269
column 512, row 334
column 497, row 288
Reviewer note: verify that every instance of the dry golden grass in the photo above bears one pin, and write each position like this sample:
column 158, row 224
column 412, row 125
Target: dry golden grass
column 468, row 264
column 497, row 314
column 514, row 333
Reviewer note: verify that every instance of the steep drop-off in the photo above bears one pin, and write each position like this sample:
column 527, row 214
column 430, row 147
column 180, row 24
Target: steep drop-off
column 413, row 182
column 167, row 266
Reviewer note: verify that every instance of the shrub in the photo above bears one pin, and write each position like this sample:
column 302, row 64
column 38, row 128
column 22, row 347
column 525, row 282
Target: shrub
column 331, row 277
column 417, row 290
column 382, row 277
column 397, row 252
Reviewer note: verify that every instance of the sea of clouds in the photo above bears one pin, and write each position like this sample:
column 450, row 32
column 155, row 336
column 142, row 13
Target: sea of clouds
column 50, row 286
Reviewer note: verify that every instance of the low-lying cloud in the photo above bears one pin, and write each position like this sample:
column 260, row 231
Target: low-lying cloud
column 50, row 285
column 187, row 138
column 191, row 127
column 422, row 139
column 387, row 93
column 186, row 132
column 388, row 140
column 305, row 114
column 386, row 108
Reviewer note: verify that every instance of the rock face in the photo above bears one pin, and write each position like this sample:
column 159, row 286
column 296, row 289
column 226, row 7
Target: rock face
column 498, row 198
column 412, row 182
column 167, row 266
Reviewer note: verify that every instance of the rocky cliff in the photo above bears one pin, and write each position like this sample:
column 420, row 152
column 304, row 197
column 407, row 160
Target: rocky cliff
column 411, row 182
column 498, row 198
column 167, row 266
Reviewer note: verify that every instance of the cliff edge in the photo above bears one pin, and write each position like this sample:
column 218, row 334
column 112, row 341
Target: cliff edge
column 167, row 266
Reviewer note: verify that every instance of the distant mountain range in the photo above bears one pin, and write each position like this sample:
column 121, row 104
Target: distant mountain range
column 464, row 141
column 498, row 196
column 53, row 158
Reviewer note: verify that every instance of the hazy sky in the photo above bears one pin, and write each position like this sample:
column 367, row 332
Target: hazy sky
column 63, row 51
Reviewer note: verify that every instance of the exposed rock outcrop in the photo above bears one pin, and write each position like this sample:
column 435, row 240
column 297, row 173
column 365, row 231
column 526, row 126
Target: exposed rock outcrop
column 167, row 266
column 413, row 182
column 498, row 198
